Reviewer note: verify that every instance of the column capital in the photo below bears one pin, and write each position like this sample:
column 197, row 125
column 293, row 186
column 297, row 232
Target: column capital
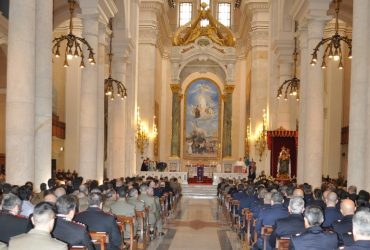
column 176, row 88
column 229, row 89
column 104, row 10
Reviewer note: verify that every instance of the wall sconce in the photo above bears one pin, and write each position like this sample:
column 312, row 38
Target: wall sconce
column 248, row 138
column 261, row 138
column 142, row 133
column 142, row 138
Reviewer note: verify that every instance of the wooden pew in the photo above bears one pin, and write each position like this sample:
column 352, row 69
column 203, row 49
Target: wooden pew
column 235, row 214
column 99, row 238
column 143, row 216
column 130, row 221
column 282, row 243
column 266, row 232
column 77, row 248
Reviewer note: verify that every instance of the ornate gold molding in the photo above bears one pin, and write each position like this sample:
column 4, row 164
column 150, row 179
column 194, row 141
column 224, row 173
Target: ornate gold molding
column 175, row 87
column 215, row 30
column 229, row 89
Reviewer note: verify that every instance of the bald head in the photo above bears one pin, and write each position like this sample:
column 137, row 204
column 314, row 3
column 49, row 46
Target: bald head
column 347, row 207
column 298, row 193
column 331, row 199
column 325, row 194
column 267, row 198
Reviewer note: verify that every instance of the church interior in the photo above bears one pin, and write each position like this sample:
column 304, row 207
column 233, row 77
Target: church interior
column 207, row 95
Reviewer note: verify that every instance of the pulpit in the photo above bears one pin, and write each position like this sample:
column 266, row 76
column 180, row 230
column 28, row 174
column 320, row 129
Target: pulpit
column 200, row 173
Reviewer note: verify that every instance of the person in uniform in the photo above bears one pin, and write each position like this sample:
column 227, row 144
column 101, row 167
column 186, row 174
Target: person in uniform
column 122, row 207
column 361, row 231
column 133, row 198
column 343, row 227
column 331, row 213
column 97, row 220
column 314, row 237
column 9, row 216
column 291, row 225
column 67, row 230
column 268, row 216
column 39, row 238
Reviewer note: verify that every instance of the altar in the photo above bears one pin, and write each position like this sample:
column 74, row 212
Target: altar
column 200, row 173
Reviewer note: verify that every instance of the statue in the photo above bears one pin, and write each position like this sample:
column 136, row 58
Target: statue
column 284, row 162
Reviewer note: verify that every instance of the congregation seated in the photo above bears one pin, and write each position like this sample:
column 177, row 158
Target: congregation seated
column 291, row 225
column 343, row 227
column 361, row 231
column 122, row 208
column 97, row 220
column 39, row 238
column 67, row 230
column 331, row 212
column 268, row 216
column 314, row 237
column 11, row 223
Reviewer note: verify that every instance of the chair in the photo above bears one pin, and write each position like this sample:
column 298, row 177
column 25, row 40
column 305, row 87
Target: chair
column 127, row 220
column 266, row 232
column 77, row 248
column 282, row 243
column 143, row 221
column 99, row 238
column 235, row 215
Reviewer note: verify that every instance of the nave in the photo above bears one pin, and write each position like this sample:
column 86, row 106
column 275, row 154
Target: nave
column 199, row 224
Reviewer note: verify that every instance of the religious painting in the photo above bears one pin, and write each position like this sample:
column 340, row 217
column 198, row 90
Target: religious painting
column 202, row 120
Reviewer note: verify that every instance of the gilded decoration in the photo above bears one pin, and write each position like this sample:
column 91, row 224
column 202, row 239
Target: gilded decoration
column 215, row 31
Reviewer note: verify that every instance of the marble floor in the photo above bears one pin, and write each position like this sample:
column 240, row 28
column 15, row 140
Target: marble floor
column 197, row 224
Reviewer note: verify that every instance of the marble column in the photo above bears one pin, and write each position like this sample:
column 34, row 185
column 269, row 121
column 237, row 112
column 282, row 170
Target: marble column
column 101, row 65
column 304, row 64
column 358, row 149
column 227, row 121
column 176, row 120
column 43, row 105
column 117, row 117
column 314, row 109
column 89, row 102
column 20, row 99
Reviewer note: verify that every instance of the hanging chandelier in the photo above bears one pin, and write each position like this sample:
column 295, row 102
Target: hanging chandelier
column 292, row 85
column 333, row 48
column 73, row 43
column 109, row 83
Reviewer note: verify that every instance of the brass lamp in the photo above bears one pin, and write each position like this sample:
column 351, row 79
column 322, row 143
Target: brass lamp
column 73, row 47
column 261, row 140
column 109, row 83
column 142, row 137
column 333, row 48
column 292, row 85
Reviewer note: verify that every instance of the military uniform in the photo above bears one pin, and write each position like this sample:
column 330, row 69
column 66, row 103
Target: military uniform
column 12, row 225
column 122, row 207
column 139, row 205
column 268, row 217
column 97, row 220
column 331, row 214
column 154, row 210
column 247, row 202
column 286, row 227
column 343, row 228
column 36, row 240
column 314, row 238
column 72, row 233
column 359, row 245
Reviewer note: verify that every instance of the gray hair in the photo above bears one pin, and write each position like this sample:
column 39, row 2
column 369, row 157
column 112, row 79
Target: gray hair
column 143, row 188
column 277, row 198
column 296, row 205
column 314, row 215
column 10, row 201
column 361, row 223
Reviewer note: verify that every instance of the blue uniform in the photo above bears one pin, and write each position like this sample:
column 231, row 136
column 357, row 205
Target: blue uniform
column 331, row 214
column 359, row 245
column 314, row 238
column 344, row 230
column 247, row 202
column 286, row 227
column 238, row 195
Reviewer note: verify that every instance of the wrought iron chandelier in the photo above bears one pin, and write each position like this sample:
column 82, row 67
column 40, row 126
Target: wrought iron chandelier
column 73, row 43
column 333, row 48
column 292, row 85
column 109, row 83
